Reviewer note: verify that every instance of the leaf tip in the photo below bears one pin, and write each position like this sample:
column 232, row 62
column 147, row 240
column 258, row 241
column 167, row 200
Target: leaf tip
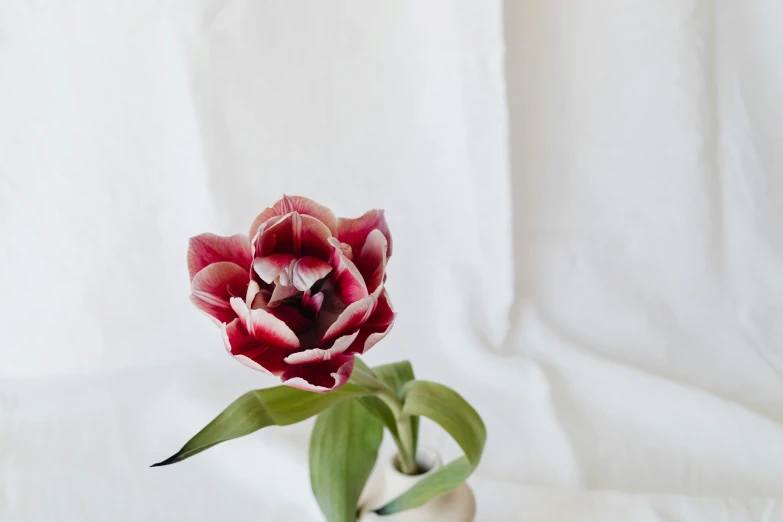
column 170, row 460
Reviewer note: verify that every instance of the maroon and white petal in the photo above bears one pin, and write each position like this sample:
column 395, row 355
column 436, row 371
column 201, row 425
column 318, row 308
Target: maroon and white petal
column 300, row 204
column 286, row 276
column 282, row 292
column 251, row 352
column 292, row 317
column 267, row 215
column 269, row 267
column 344, row 247
column 348, row 282
column 355, row 231
column 308, row 207
column 315, row 238
column 265, row 327
column 371, row 261
column 320, row 377
column 297, row 234
column 367, row 338
column 263, row 217
column 384, row 313
column 265, row 243
column 376, row 327
column 308, row 270
column 261, row 299
column 216, row 311
column 341, row 344
column 269, row 242
column 236, row 339
column 354, row 316
column 206, row 249
column 308, row 356
column 252, row 292
column 215, row 285
column 320, row 354
column 312, row 303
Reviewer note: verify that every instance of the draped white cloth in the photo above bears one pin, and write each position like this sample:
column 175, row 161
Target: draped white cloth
column 587, row 206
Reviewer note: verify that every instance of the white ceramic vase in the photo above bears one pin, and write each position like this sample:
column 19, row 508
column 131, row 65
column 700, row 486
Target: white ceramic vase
column 457, row 506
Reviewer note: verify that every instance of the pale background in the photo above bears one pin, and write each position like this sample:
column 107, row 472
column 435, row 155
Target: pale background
column 587, row 204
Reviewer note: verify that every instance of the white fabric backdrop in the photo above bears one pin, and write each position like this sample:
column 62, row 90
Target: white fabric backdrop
column 587, row 205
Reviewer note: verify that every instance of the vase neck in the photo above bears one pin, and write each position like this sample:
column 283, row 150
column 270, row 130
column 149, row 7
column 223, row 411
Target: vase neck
column 428, row 462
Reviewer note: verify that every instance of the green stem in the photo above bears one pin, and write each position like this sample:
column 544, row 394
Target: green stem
column 405, row 428
column 404, row 424
column 405, row 431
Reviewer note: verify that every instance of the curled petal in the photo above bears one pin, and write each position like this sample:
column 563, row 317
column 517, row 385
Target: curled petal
column 308, row 270
column 354, row 316
column 265, row 327
column 384, row 313
column 282, row 292
column 252, row 292
column 319, row 354
column 300, row 204
column 367, row 338
column 215, row 285
column 296, row 234
column 313, row 303
column 308, row 356
column 341, row 344
column 260, row 300
column 286, row 276
column 320, row 377
column 292, row 317
column 251, row 352
column 371, row 261
column 206, row 249
column 217, row 312
column 265, row 242
column 269, row 267
column 344, row 247
column 376, row 327
column 279, row 209
column 348, row 282
column 355, row 231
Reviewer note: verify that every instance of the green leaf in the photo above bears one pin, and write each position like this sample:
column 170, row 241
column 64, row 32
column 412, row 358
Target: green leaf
column 395, row 375
column 280, row 406
column 460, row 420
column 382, row 412
column 343, row 449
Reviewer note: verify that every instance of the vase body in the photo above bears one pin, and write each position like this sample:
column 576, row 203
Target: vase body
column 456, row 506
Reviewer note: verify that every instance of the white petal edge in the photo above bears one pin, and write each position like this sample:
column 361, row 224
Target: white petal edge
column 319, row 355
column 271, row 323
column 269, row 267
